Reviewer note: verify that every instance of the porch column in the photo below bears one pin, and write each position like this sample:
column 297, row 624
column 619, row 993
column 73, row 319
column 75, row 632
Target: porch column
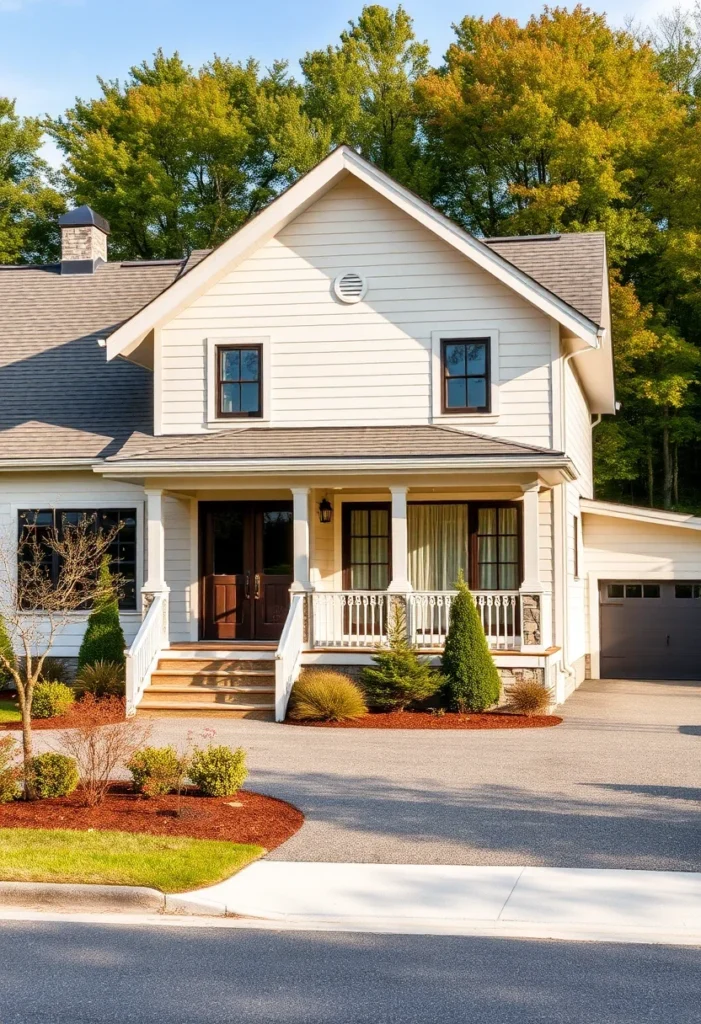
column 155, row 543
column 400, row 549
column 300, row 534
column 531, row 538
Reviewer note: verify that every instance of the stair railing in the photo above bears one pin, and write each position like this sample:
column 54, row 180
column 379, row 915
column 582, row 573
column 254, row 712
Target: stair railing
column 288, row 657
column 142, row 657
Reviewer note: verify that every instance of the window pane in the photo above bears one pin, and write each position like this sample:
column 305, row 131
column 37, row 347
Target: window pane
column 476, row 359
column 456, row 397
column 487, row 549
column 476, row 392
column 360, row 518
column 488, row 579
column 231, row 365
column 455, row 360
column 231, row 398
column 277, row 543
column 379, row 578
column 508, row 577
column 615, row 590
column 684, row 590
column 634, row 590
column 379, row 549
column 249, row 397
column 379, row 522
column 360, row 577
column 697, row 590
column 249, row 364
column 508, row 521
column 651, row 590
column 359, row 549
column 508, row 549
column 487, row 520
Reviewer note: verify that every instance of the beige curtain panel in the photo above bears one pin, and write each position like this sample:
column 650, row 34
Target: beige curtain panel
column 437, row 545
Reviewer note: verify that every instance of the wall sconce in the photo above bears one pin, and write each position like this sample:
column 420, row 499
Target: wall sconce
column 325, row 510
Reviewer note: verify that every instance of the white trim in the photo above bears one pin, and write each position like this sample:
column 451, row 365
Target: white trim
column 226, row 422
column 325, row 175
column 654, row 516
column 459, row 419
column 195, row 569
column 157, row 384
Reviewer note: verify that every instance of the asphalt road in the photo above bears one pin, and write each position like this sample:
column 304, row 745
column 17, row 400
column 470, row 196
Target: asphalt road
column 55, row 973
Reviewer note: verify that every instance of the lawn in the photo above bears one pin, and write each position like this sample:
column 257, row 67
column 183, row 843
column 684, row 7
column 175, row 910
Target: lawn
column 9, row 712
column 168, row 863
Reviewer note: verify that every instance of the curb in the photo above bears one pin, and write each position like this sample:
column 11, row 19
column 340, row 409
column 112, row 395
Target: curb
column 67, row 897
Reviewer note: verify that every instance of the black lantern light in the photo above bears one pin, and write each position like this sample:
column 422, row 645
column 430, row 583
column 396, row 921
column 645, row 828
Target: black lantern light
column 325, row 510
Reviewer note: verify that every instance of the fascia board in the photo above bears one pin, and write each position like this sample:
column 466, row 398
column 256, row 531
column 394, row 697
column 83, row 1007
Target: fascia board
column 653, row 517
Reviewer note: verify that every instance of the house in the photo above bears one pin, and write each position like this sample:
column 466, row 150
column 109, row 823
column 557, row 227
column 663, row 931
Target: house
column 335, row 411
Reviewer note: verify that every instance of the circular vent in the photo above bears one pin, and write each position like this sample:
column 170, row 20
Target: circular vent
column 350, row 286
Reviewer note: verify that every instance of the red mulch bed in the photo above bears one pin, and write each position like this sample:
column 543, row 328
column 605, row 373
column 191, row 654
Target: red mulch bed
column 451, row 720
column 253, row 818
column 59, row 722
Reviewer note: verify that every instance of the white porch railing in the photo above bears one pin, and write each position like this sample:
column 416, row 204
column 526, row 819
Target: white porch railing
column 288, row 657
column 349, row 618
column 429, row 617
column 143, row 655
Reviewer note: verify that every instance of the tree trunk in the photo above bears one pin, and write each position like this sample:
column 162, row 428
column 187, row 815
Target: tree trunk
column 27, row 751
column 650, row 480
column 676, row 474
column 666, row 460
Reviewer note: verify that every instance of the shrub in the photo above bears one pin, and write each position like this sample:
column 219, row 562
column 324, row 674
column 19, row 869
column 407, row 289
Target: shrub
column 9, row 770
column 218, row 771
column 53, row 775
column 326, row 696
column 102, row 742
column 529, row 697
column 104, row 639
column 399, row 676
column 7, row 652
column 103, row 679
column 472, row 680
column 155, row 771
column 51, row 699
column 55, row 670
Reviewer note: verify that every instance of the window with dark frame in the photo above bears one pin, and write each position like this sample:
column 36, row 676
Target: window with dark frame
column 239, row 381
column 465, row 370
column 122, row 551
column 495, row 547
column 367, row 542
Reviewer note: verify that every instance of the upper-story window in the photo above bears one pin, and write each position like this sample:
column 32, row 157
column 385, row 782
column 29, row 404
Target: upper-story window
column 465, row 369
column 239, row 380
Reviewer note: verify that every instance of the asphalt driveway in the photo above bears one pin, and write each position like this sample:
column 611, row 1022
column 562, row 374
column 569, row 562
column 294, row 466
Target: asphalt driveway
column 617, row 785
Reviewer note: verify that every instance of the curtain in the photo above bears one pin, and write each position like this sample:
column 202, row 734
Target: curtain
column 437, row 545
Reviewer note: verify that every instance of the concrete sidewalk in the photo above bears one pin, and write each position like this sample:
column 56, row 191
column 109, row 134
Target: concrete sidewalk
column 641, row 906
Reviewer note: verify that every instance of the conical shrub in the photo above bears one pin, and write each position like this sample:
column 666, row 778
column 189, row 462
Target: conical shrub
column 104, row 638
column 398, row 677
column 472, row 680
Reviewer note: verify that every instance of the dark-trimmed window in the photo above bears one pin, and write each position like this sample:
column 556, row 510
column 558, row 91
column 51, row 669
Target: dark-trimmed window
column 465, row 371
column 495, row 538
column 239, row 380
column 122, row 550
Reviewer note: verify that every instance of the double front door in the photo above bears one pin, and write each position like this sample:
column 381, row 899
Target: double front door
column 246, row 551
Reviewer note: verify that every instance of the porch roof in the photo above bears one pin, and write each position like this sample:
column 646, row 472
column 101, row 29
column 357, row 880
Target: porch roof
column 298, row 447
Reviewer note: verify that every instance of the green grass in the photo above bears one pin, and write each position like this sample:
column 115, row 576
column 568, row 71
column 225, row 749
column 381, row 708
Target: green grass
column 168, row 863
column 9, row 712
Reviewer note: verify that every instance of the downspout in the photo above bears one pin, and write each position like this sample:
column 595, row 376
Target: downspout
column 566, row 667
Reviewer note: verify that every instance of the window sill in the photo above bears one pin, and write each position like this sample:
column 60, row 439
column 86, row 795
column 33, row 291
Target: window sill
column 466, row 417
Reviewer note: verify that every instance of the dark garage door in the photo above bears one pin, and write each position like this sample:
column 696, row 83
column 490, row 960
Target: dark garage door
column 650, row 630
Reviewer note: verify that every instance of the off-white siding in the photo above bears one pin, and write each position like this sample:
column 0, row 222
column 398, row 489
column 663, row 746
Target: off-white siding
column 622, row 548
column 69, row 490
column 362, row 363
column 180, row 572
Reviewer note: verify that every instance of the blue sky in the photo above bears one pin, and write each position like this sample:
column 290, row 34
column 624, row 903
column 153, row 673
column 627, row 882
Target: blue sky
column 52, row 50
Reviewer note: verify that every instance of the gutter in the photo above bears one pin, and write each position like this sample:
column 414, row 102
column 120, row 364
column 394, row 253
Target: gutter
column 25, row 465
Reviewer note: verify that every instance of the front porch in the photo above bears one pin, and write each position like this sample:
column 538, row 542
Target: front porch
column 310, row 575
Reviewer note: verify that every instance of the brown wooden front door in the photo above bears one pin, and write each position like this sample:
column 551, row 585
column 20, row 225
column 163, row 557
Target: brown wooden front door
column 246, row 569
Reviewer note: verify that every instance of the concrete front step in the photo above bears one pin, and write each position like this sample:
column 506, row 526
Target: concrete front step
column 189, row 695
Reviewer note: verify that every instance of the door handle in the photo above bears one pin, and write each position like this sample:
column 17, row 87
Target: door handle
column 247, row 586
column 256, row 583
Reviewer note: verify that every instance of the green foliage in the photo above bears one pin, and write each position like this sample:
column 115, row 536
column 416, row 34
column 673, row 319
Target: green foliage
column 55, row 670
column 52, row 699
column 218, row 771
column 322, row 695
column 104, row 638
column 53, row 775
column 7, row 655
column 529, row 697
column 472, row 680
column 9, row 769
column 155, row 771
column 103, row 679
column 399, row 677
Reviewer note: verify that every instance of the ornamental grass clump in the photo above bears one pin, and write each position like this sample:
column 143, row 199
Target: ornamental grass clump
column 52, row 699
column 53, row 775
column 156, row 771
column 529, row 697
column 218, row 771
column 326, row 697
column 102, row 679
column 399, row 677
column 471, row 678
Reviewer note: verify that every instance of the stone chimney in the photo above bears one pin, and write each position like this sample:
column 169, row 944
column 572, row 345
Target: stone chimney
column 83, row 240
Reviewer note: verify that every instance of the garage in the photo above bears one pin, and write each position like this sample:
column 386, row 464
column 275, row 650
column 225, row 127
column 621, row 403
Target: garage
column 650, row 629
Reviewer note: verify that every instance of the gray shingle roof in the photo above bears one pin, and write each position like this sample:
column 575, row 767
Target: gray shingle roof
column 571, row 266
column 322, row 443
column 59, row 397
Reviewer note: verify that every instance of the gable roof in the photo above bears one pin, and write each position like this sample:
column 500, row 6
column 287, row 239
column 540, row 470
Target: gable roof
column 59, row 399
column 340, row 163
column 641, row 514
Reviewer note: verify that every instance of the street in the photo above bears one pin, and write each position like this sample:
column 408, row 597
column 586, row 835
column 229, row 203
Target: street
column 55, row 973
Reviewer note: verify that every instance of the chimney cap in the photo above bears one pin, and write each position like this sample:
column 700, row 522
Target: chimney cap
column 84, row 216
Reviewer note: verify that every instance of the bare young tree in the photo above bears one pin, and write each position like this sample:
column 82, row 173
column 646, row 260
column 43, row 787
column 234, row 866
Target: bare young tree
column 37, row 605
